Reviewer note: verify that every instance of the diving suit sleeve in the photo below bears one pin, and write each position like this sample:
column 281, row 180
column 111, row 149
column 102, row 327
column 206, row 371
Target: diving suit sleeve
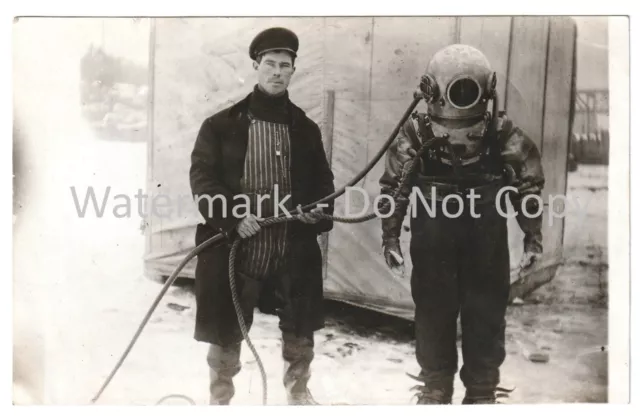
column 522, row 157
column 401, row 151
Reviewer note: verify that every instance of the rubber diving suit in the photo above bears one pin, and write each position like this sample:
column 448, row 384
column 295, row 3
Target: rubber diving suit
column 460, row 255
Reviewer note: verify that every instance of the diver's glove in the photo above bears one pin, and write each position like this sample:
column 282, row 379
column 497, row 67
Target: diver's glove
column 393, row 257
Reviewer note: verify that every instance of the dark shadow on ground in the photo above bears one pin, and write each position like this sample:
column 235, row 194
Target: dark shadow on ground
column 347, row 318
column 366, row 323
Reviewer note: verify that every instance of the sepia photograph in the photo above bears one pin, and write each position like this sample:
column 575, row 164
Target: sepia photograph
column 318, row 210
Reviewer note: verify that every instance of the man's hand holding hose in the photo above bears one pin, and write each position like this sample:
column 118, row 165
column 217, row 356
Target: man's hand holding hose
column 310, row 217
column 249, row 226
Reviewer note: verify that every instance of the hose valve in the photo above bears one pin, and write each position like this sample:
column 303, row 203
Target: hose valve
column 429, row 88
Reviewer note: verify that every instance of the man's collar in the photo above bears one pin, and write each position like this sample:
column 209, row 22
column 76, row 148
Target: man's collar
column 241, row 109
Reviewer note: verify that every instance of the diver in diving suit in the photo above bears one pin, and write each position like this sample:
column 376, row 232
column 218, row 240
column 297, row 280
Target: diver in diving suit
column 461, row 264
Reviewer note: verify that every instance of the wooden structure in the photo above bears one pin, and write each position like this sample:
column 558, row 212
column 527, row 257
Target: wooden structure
column 355, row 76
column 590, row 140
column 592, row 148
column 590, row 104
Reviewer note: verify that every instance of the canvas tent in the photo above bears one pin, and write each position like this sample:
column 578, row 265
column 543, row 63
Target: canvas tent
column 355, row 77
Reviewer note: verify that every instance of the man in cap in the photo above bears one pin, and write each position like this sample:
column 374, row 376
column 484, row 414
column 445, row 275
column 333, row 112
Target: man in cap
column 460, row 257
column 265, row 148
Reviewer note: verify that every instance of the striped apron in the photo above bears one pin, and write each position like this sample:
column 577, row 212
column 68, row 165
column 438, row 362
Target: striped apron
column 267, row 164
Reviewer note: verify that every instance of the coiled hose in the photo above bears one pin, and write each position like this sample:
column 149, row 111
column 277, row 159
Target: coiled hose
column 417, row 97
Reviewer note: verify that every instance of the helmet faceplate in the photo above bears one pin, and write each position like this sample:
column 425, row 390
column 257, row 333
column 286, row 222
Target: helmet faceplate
column 464, row 82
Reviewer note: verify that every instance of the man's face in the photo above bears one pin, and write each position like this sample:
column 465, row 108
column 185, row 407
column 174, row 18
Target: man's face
column 274, row 72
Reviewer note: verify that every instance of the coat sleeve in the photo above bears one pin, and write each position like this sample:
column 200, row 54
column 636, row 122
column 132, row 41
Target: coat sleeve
column 213, row 197
column 522, row 157
column 397, row 158
column 324, row 180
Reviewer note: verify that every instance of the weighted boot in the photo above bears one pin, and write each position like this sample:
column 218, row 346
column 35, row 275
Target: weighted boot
column 487, row 396
column 432, row 392
column 479, row 397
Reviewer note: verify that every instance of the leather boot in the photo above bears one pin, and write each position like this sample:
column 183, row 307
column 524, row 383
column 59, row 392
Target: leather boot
column 297, row 353
column 224, row 364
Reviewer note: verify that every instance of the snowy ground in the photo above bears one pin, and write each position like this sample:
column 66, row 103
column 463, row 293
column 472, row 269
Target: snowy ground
column 80, row 292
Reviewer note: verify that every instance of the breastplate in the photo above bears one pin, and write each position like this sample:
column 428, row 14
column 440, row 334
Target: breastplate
column 466, row 142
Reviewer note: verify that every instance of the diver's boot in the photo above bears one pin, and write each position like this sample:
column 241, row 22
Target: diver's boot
column 499, row 395
column 224, row 364
column 432, row 392
column 479, row 397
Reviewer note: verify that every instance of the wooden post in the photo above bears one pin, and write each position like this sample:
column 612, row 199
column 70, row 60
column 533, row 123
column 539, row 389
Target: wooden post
column 457, row 30
column 327, row 134
column 589, row 114
column 146, row 222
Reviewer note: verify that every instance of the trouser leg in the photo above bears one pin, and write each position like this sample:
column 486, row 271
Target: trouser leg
column 485, row 295
column 224, row 358
column 297, row 352
column 434, row 288
column 224, row 364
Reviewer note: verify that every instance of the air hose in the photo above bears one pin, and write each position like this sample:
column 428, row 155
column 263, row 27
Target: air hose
column 407, row 171
column 219, row 238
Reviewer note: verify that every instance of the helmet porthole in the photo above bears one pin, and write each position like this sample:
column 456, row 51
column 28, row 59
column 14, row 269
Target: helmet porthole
column 463, row 93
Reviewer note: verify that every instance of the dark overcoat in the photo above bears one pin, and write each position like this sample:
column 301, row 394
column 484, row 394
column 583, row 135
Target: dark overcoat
column 217, row 167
